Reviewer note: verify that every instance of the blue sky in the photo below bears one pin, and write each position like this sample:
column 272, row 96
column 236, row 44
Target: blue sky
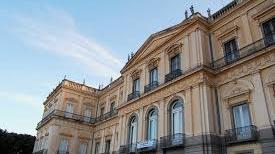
column 41, row 41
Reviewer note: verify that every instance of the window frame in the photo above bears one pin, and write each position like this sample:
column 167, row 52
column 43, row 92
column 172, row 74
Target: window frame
column 133, row 119
column 232, row 113
column 149, row 126
column 171, row 124
column 178, row 64
column 235, row 53
column 151, row 75
column 136, row 85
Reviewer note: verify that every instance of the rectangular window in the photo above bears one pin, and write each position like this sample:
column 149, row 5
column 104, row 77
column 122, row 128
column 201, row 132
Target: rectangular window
column 269, row 31
column 153, row 75
column 97, row 146
column 83, row 148
column 69, row 110
column 242, row 121
column 112, row 106
column 87, row 114
column 102, row 111
column 231, row 51
column 63, row 146
column 175, row 63
column 107, row 146
column 136, row 85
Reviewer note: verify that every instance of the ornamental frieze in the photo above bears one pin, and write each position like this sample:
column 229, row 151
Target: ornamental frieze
column 247, row 68
column 166, row 91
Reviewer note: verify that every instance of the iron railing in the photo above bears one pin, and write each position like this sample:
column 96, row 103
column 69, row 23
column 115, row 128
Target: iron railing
column 147, row 145
column 174, row 140
column 133, row 95
column 173, row 74
column 151, row 86
column 126, row 149
column 107, row 115
column 66, row 115
column 244, row 52
column 62, row 152
column 241, row 134
column 43, row 151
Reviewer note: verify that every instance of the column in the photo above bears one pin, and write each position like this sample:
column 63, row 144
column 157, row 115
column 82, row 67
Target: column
column 140, row 124
column 259, row 102
column 188, row 118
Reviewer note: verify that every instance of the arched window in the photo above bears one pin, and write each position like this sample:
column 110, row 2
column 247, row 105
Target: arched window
column 176, row 117
column 133, row 130
column 152, row 124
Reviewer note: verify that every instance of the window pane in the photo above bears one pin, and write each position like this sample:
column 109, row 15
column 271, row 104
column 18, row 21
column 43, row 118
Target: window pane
column 241, row 116
column 83, row 148
column 175, row 63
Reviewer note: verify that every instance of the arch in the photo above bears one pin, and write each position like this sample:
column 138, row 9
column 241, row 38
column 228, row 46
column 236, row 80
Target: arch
column 152, row 107
column 173, row 99
column 176, row 115
column 132, row 128
column 173, row 46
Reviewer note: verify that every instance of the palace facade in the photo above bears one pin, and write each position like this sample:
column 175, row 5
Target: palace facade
column 205, row 85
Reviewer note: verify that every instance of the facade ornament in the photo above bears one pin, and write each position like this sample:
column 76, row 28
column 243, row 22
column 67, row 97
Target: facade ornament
column 186, row 14
column 209, row 12
column 192, row 10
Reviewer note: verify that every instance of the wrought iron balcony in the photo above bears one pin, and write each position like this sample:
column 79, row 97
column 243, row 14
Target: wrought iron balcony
column 244, row 52
column 66, row 115
column 147, row 145
column 62, row 152
column 172, row 75
column 126, row 149
column 43, row 151
column 241, row 134
column 175, row 140
column 133, row 95
column 151, row 86
column 106, row 115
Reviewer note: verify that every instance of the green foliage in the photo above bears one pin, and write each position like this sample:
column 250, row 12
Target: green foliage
column 13, row 143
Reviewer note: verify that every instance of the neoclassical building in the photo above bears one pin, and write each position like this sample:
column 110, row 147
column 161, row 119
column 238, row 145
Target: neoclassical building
column 205, row 85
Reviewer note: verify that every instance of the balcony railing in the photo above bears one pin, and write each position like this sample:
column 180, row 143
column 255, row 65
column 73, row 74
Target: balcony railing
column 174, row 140
column 147, row 145
column 126, row 149
column 62, row 152
column 151, row 86
column 244, row 52
column 133, row 95
column 107, row 115
column 44, row 151
column 172, row 75
column 241, row 134
column 66, row 115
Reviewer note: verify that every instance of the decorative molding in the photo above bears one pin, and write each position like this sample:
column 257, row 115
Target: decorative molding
column 152, row 63
column 260, row 14
column 246, row 68
column 228, row 31
column 174, row 49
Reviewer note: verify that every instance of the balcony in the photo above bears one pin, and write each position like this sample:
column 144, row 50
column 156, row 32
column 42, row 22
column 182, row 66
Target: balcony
column 151, row 86
column 133, row 95
column 241, row 134
column 66, row 115
column 244, row 52
column 147, row 145
column 175, row 140
column 62, row 152
column 106, row 115
column 172, row 75
column 126, row 149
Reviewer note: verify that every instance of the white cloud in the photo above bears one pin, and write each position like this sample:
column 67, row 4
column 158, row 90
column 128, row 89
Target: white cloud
column 57, row 33
column 21, row 98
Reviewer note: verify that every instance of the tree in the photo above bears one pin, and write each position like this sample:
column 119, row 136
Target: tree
column 13, row 143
